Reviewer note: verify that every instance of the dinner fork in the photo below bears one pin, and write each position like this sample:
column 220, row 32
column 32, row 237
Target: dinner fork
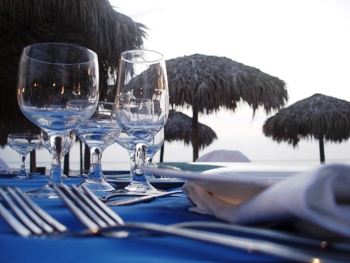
column 117, row 228
column 32, row 220
column 91, row 211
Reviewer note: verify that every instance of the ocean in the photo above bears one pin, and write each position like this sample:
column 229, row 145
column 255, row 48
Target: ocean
column 75, row 166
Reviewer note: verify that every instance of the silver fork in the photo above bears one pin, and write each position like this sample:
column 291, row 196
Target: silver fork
column 92, row 212
column 49, row 227
column 28, row 219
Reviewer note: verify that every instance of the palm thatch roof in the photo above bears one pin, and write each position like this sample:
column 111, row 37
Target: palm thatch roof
column 209, row 83
column 319, row 116
column 179, row 127
column 90, row 23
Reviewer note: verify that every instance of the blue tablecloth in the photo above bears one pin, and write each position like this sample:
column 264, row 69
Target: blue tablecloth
column 14, row 248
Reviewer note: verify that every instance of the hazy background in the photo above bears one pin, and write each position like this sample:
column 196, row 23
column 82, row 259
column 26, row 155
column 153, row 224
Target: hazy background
column 306, row 43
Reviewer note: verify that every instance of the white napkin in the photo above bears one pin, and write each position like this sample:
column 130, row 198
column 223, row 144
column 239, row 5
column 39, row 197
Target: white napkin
column 4, row 168
column 317, row 201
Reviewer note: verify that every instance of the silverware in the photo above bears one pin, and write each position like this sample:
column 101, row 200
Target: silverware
column 251, row 245
column 101, row 220
column 31, row 219
column 140, row 199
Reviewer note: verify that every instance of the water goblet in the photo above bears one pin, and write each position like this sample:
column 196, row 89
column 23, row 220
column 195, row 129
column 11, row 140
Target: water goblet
column 98, row 133
column 142, row 106
column 57, row 90
column 67, row 143
column 23, row 143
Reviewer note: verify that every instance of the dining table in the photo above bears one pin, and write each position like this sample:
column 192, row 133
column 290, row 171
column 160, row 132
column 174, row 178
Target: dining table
column 135, row 248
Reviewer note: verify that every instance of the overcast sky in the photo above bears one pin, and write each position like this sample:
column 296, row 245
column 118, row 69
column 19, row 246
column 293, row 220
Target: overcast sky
column 306, row 43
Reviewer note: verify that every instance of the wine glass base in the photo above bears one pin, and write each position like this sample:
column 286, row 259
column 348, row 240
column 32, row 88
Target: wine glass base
column 98, row 185
column 140, row 187
column 22, row 177
column 46, row 191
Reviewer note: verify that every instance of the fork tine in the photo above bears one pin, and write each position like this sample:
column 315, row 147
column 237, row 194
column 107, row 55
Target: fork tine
column 116, row 218
column 21, row 216
column 41, row 213
column 14, row 223
column 104, row 216
column 76, row 207
column 30, row 212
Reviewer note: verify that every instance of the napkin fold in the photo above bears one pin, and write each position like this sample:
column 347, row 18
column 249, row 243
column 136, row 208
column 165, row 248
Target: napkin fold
column 317, row 201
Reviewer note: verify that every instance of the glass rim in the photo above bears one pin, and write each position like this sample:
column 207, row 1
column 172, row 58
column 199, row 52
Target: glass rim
column 25, row 50
column 134, row 51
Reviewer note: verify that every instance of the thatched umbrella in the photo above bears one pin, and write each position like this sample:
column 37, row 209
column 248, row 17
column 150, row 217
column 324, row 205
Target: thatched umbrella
column 179, row 128
column 208, row 83
column 90, row 23
column 319, row 116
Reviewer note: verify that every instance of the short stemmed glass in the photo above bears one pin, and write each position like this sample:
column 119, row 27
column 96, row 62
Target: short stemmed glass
column 98, row 133
column 23, row 143
column 67, row 143
column 142, row 106
column 57, row 90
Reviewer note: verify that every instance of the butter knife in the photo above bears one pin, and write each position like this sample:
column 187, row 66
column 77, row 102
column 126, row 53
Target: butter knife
column 140, row 199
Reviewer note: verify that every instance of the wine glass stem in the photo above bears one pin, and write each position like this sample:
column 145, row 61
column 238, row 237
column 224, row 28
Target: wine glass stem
column 56, row 156
column 22, row 171
column 95, row 163
column 131, row 155
column 139, row 159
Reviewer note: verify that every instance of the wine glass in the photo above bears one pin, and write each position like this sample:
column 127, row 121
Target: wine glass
column 67, row 143
column 98, row 133
column 23, row 143
column 57, row 90
column 142, row 106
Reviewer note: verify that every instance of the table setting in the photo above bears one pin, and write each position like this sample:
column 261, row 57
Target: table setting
column 154, row 212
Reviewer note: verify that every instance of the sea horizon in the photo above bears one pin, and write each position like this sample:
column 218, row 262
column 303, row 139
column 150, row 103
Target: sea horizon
column 74, row 167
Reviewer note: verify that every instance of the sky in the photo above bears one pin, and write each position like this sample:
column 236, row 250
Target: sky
column 306, row 43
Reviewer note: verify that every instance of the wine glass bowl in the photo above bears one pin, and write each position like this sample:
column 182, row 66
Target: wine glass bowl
column 57, row 90
column 142, row 106
column 23, row 143
column 98, row 133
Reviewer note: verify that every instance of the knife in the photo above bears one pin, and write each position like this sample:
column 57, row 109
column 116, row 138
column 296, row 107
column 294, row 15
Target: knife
column 140, row 199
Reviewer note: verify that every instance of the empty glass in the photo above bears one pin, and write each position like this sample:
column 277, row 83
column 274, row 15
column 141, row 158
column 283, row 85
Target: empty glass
column 98, row 133
column 57, row 90
column 23, row 143
column 142, row 106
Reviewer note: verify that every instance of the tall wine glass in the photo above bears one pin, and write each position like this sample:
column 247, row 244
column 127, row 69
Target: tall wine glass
column 57, row 90
column 98, row 133
column 23, row 143
column 142, row 106
column 67, row 143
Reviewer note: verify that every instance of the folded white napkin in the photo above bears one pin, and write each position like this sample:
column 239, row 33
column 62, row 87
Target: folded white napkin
column 317, row 201
column 4, row 168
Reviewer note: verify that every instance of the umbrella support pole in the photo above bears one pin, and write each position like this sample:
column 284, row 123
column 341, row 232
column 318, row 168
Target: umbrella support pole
column 321, row 144
column 195, row 132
